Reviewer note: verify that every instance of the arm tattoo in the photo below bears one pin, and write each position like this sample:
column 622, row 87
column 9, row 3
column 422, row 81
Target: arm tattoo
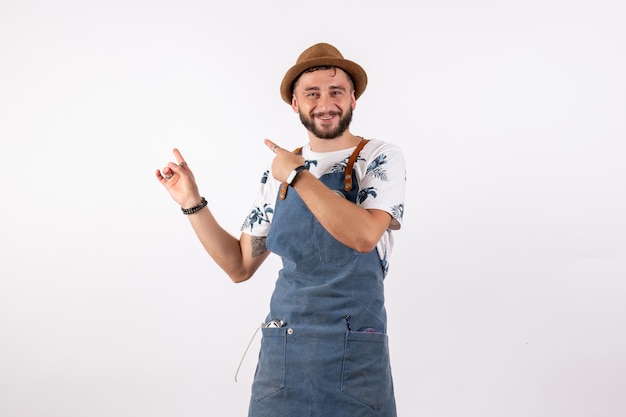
column 258, row 246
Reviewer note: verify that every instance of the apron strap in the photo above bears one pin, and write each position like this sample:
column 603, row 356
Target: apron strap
column 347, row 177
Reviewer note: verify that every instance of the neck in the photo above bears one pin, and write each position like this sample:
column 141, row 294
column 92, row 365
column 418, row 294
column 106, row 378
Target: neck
column 345, row 141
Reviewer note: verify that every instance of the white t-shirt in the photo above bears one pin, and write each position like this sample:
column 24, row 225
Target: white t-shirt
column 381, row 175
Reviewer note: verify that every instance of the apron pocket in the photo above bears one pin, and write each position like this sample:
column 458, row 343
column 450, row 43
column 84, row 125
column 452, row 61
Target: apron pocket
column 366, row 374
column 270, row 371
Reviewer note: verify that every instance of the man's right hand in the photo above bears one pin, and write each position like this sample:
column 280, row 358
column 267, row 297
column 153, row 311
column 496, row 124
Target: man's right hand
column 179, row 181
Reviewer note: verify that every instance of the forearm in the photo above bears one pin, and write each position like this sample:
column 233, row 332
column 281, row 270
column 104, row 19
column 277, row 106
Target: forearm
column 350, row 224
column 225, row 249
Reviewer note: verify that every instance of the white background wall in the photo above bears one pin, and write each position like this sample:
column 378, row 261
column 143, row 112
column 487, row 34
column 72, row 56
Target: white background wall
column 506, row 292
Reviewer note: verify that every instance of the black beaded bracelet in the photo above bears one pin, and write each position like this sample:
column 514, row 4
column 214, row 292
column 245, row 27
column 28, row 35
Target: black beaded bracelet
column 195, row 209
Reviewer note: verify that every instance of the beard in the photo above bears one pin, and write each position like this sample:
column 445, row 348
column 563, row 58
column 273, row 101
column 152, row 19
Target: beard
column 344, row 123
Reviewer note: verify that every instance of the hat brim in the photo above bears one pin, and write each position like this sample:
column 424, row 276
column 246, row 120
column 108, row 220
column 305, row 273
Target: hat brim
column 356, row 72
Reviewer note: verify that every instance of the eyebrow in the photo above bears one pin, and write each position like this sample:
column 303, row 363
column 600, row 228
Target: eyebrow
column 332, row 87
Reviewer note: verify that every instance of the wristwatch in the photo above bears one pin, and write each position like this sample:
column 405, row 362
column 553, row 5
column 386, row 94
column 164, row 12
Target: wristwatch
column 293, row 174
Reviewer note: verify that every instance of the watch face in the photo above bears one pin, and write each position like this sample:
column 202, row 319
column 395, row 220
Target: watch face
column 291, row 176
column 294, row 173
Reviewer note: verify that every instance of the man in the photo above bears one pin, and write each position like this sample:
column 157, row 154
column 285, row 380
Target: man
column 327, row 210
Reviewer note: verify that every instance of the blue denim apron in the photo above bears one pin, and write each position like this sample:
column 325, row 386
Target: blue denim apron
column 331, row 357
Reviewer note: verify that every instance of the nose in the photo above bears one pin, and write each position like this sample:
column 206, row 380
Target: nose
column 325, row 102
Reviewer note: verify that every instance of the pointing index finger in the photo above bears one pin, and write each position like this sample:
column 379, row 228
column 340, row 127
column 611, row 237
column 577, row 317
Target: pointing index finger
column 271, row 145
column 178, row 155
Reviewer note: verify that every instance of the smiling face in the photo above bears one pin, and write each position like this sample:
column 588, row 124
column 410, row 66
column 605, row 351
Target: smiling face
column 324, row 99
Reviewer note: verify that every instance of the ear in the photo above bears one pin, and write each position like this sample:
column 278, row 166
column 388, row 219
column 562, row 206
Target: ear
column 353, row 100
column 294, row 103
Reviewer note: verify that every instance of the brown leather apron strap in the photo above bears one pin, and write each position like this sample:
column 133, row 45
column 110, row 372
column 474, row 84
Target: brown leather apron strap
column 347, row 177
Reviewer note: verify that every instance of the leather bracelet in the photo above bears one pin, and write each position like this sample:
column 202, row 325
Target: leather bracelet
column 187, row 211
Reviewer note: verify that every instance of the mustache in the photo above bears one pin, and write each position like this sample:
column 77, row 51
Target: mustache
column 327, row 113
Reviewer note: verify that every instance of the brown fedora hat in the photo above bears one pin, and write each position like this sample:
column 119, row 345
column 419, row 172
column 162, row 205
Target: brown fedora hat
column 322, row 54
